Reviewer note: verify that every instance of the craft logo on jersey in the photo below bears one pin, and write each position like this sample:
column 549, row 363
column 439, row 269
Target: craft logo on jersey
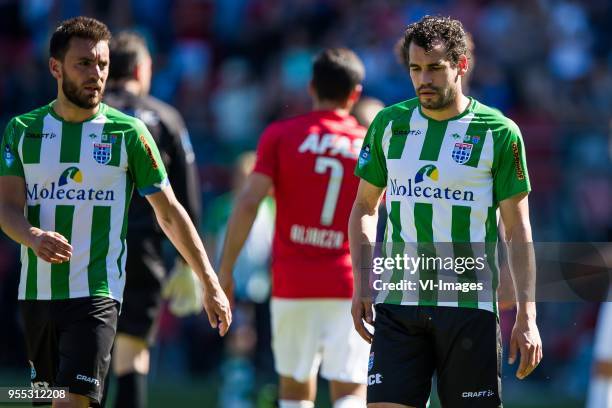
column 462, row 152
column 405, row 132
column 72, row 173
column 102, row 152
column 371, row 362
column 40, row 135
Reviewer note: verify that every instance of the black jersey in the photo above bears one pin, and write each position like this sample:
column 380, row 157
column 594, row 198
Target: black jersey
column 170, row 134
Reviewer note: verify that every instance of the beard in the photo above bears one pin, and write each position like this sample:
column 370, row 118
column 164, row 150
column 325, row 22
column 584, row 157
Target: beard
column 442, row 98
column 79, row 97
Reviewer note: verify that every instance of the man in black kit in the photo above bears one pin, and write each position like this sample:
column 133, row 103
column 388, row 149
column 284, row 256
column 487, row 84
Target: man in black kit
column 128, row 88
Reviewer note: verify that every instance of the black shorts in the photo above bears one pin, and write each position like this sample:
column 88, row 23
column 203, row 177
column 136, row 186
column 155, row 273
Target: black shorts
column 144, row 275
column 462, row 346
column 69, row 342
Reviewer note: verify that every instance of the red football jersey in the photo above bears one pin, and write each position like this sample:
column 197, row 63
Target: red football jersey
column 311, row 159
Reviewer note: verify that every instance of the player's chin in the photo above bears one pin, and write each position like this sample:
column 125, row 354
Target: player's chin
column 90, row 102
column 429, row 101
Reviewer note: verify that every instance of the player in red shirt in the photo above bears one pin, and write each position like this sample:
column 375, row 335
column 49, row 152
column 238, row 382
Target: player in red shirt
column 308, row 162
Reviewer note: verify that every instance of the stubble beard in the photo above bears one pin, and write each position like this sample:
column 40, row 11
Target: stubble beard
column 74, row 95
column 443, row 100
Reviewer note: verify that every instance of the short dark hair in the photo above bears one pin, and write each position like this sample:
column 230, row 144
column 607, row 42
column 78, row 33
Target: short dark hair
column 431, row 31
column 81, row 27
column 335, row 73
column 127, row 50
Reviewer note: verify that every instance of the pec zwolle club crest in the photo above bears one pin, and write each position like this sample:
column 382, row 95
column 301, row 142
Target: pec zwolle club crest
column 462, row 152
column 102, row 152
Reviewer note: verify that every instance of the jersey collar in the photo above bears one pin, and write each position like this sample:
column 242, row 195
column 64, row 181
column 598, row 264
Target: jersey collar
column 470, row 108
column 100, row 112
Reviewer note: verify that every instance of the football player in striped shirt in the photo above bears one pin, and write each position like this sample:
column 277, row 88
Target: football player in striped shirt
column 67, row 173
column 446, row 162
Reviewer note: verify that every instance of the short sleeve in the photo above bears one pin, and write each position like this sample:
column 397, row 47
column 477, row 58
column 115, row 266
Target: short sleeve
column 267, row 153
column 144, row 161
column 371, row 165
column 10, row 162
column 510, row 175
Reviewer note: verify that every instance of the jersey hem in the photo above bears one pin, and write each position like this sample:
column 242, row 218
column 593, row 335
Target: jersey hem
column 311, row 297
column 155, row 188
column 264, row 172
column 446, row 306
column 363, row 177
column 513, row 193
column 76, row 295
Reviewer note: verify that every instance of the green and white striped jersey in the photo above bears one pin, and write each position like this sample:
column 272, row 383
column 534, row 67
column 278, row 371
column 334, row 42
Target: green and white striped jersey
column 444, row 181
column 79, row 180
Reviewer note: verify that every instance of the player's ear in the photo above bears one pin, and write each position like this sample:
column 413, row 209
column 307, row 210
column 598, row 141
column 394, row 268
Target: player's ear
column 462, row 65
column 55, row 67
column 311, row 90
column 137, row 73
column 356, row 93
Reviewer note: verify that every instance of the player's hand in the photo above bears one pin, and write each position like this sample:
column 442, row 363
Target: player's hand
column 526, row 338
column 227, row 284
column 184, row 290
column 217, row 307
column 51, row 246
column 362, row 310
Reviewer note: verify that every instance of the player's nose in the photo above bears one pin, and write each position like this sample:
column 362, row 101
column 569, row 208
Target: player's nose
column 96, row 73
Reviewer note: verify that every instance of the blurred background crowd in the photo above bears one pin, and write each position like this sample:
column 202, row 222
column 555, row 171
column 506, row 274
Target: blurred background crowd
column 232, row 66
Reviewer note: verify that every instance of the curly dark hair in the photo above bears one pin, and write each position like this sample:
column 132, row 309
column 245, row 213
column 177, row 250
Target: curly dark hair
column 81, row 27
column 431, row 31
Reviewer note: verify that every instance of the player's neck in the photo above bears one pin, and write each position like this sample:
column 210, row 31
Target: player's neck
column 130, row 85
column 69, row 112
column 459, row 105
column 330, row 106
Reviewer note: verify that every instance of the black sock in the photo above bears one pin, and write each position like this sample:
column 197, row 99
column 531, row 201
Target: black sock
column 131, row 391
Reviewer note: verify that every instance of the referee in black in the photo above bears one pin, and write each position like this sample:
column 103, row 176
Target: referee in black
column 128, row 87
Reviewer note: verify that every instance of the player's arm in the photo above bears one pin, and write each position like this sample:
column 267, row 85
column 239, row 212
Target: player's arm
column 362, row 233
column 255, row 189
column 177, row 226
column 182, row 287
column 47, row 245
column 525, row 336
column 505, row 291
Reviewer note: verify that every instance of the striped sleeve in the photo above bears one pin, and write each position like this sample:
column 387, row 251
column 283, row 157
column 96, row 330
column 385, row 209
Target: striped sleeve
column 510, row 175
column 10, row 162
column 371, row 165
column 144, row 161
